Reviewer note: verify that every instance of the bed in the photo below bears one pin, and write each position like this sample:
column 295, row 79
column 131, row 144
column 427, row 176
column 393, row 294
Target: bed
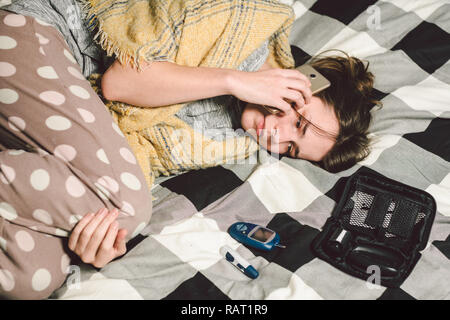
column 177, row 255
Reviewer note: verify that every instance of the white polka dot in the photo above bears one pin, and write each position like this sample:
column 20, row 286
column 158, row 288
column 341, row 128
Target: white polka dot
column 16, row 123
column 40, row 179
column 101, row 155
column 7, row 69
column 8, row 96
column 73, row 71
column 74, row 187
column 41, row 280
column 138, row 230
column 43, row 23
column 79, row 92
column 24, row 241
column 15, row 20
column 7, row 282
column 7, row 42
column 41, row 50
column 43, row 216
column 130, row 180
column 65, row 262
column 3, row 244
column 87, row 116
column 127, row 155
column 73, row 219
column 127, row 208
column 41, row 38
column 52, row 97
column 47, row 72
column 69, row 56
column 7, row 175
column 58, row 123
column 7, row 211
column 109, row 183
column 65, row 152
column 16, row 152
column 117, row 129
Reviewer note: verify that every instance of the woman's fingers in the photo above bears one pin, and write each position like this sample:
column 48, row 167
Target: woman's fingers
column 295, row 86
column 282, row 105
column 106, row 252
column 75, row 234
column 88, row 230
column 98, row 235
column 302, row 88
column 296, row 97
column 299, row 82
column 290, row 98
column 97, row 238
column 295, row 74
column 120, row 244
column 272, row 87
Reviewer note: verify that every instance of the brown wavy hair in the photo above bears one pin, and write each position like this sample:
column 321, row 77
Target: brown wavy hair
column 350, row 95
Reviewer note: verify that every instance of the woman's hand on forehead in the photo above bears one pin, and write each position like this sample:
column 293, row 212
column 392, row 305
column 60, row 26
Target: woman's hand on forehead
column 277, row 88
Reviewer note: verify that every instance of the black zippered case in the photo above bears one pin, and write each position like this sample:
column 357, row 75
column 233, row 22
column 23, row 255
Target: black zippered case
column 377, row 229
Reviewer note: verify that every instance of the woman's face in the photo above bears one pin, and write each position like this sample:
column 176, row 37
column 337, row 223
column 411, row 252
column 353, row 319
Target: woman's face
column 289, row 133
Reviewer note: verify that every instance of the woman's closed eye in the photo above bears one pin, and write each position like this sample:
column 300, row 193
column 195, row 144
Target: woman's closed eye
column 290, row 147
column 299, row 122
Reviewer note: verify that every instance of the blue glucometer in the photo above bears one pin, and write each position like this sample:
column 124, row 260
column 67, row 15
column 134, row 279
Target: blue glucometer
column 255, row 236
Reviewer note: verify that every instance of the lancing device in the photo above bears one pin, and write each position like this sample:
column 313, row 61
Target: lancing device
column 236, row 259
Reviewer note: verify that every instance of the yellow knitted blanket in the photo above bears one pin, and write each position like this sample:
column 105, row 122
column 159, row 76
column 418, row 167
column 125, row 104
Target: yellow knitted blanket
column 209, row 33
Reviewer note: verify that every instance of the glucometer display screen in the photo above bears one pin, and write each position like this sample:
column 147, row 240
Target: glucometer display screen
column 261, row 234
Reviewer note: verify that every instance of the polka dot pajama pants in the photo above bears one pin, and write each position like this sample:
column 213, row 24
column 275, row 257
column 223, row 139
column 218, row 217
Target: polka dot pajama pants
column 61, row 157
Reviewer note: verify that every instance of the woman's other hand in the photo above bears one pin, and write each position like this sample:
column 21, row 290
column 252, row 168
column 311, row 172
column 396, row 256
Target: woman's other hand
column 272, row 87
column 97, row 239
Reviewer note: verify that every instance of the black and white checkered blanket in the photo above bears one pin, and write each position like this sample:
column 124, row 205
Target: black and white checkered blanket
column 177, row 256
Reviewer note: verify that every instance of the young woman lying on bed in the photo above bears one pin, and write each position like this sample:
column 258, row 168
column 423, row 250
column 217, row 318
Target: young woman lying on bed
column 329, row 129
column 74, row 159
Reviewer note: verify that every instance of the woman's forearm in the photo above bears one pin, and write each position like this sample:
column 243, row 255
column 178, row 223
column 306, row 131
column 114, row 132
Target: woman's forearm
column 164, row 83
